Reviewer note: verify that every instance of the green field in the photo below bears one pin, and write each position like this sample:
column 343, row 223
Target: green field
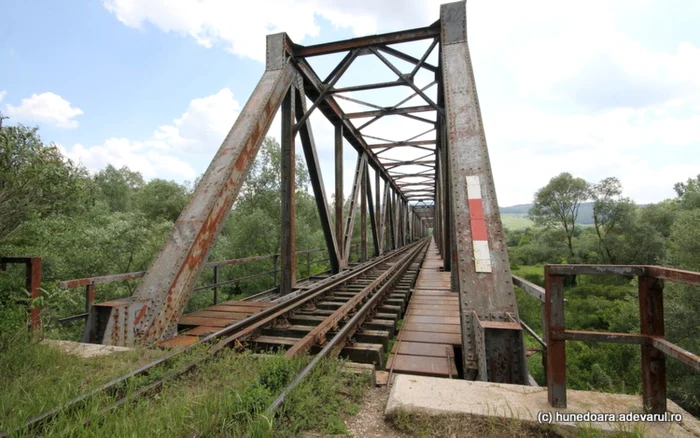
column 515, row 221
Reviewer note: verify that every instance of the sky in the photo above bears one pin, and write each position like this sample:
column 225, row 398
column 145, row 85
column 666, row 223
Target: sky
column 597, row 88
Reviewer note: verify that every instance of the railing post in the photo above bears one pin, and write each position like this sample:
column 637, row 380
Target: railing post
column 556, row 347
column 275, row 267
column 89, row 297
column 308, row 264
column 216, row 288
column 651, row 323
column 33, row 272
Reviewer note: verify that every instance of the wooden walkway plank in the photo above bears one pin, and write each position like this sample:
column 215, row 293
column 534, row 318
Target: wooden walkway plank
column 431, row 326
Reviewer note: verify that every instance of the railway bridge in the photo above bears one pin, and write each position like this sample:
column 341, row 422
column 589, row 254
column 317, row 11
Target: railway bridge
column 438, row 178
column 431, row 251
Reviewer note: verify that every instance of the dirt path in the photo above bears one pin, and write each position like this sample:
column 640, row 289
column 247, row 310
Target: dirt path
column 369, row 422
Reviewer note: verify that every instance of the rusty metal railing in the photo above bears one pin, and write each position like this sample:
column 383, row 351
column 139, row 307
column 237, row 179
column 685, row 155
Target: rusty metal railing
column 32, row 272
column 90, row 282
column 654, row 346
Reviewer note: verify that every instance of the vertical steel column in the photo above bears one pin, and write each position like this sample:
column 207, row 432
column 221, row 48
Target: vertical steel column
column 312, row 164
column 448, row 244
column 556, row 347
column 384, row 218
column 350, row 223
column 363, row 214
column 651, row 323
column 437, row 197
column 392, row 215
column 339, row 191
column 287, row 250
column 373, row 214
column 480, row 265
column 378, row 212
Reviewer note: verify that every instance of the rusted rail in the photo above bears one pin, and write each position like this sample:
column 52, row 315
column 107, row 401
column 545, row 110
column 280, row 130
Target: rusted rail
column 238, row 331
column 332, row 347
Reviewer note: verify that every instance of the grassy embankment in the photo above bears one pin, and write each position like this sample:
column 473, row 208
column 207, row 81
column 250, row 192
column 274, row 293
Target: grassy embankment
column 224, row 397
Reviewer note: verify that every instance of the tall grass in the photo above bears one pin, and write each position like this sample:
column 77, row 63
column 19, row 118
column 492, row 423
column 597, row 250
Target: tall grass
column 226, row 396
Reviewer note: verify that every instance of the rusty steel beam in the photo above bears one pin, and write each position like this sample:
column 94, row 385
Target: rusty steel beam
column 677, row 275
column 408, row 81
column 556, row 348
column 288, row 176
column 403, row 36
column 421, row 61
column 425, row 182
column 374, row 226
column 406, row 99
column 677, row 353
column 625, row 270
column 384, row 215
column 364, row 183
column 418, row 63
column 378, row 213
column 481, row 273
column 365, row 87
column 391, row 111
column 339, row 198
column 330, row 108
column 423, row 163
column 529, row 288
column 588, row 336
column 335, row 75
column 401, row 143
column 312, row 164
column 157, row 303
column 651, row 323
column 371, row 105
column 350, row 222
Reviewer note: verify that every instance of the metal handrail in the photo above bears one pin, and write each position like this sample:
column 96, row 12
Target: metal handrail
column 90, row 282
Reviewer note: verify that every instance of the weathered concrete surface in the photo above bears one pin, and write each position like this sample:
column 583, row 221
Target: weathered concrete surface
column 436, row 396
column 84, row 350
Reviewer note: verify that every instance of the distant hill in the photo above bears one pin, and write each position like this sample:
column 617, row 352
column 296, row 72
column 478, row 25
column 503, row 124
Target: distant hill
column 515, row 216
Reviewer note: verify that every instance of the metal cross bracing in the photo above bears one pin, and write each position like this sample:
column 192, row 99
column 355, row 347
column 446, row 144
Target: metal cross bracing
column 427, row 152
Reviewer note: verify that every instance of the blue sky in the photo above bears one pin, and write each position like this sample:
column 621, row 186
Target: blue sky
column 597, row 89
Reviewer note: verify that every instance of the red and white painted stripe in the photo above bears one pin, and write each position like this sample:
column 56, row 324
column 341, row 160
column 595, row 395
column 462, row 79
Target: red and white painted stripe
column 480, row 240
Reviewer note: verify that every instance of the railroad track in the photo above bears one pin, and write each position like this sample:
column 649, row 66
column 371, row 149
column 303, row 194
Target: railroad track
column 352, row 314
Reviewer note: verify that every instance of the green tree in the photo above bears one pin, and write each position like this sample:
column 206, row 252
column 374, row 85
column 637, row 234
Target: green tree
column 689, row 193
column 118, row 186
column 611, row 212
column 557, row 205
column 36, row 180
column 161, row 199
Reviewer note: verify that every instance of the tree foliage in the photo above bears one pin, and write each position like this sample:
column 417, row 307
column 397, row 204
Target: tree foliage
column 666, row 233
column 557, row 204
column 36, row 180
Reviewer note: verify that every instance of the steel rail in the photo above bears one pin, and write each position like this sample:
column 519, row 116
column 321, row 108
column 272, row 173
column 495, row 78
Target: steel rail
column 332, row 346
column 234, row 332
column 317, row 335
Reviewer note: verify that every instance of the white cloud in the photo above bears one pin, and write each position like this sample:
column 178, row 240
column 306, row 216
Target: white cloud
column 137, row 156
column 202, row 128
column 46, row 108
column 3, row 93
column 242, row 26
column 647, row 149
column 169, row 152
column 562, row 88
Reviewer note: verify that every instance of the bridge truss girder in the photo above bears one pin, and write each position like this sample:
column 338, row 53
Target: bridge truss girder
column 398, row 214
